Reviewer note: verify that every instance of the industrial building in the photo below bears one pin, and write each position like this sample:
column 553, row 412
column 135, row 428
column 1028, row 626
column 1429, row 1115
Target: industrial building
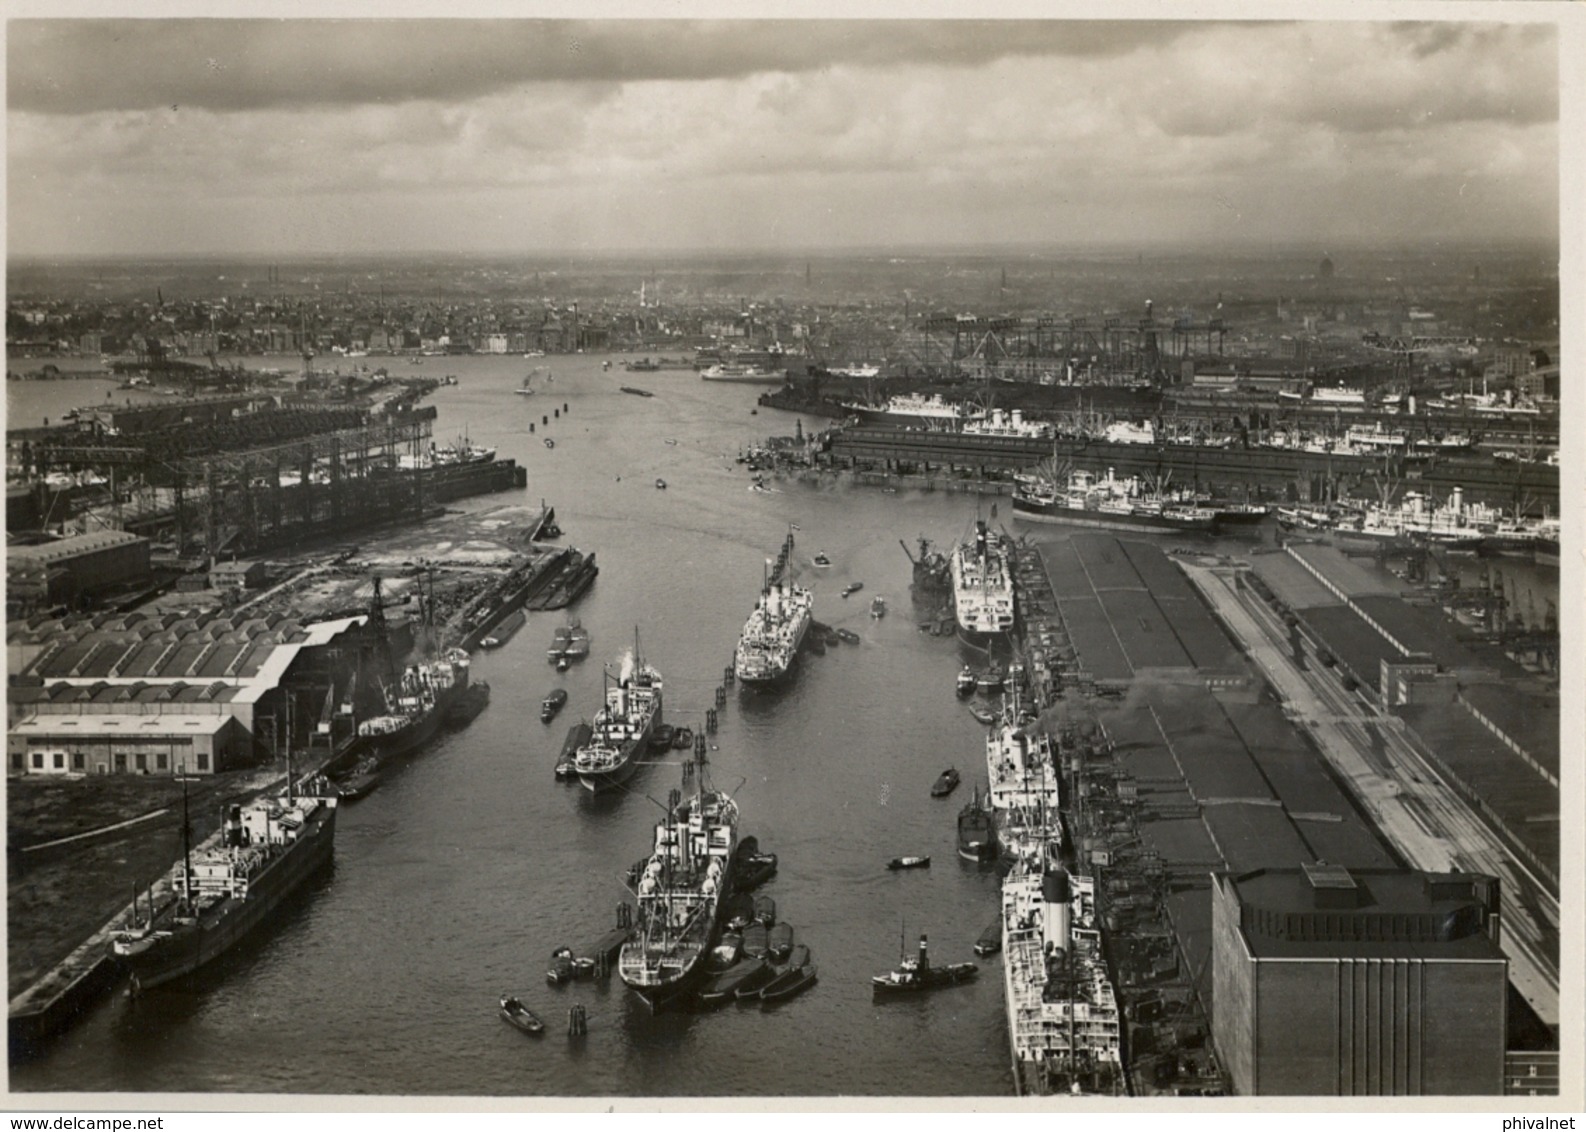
column 1380, row 982
column 65, row 571
column 158, row 694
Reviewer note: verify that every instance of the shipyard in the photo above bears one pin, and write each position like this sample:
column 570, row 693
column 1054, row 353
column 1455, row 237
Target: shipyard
column 1020, row 670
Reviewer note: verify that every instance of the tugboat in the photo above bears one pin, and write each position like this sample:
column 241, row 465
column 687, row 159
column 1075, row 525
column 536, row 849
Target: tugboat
column 966, row 681
column 682, row 889
column 820, row 560
column 552, row 704
column 917, row 975
column 852, row 588
column 878, row 607
column 945, row 783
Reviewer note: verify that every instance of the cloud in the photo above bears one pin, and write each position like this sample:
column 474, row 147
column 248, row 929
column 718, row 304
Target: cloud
column 83, row 66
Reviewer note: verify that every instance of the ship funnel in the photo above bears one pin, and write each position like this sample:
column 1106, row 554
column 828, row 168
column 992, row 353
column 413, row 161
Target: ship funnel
column 923, row 961
column 627, row 668
column 1055, row 898
column 1458, row 501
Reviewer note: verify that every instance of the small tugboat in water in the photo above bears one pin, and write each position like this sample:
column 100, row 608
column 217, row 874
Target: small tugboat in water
column 820, row 560
column 878, row 607
column 966, row 681
column 916, row 975
column 945, row 783
column 552, row 704
column 852, row 588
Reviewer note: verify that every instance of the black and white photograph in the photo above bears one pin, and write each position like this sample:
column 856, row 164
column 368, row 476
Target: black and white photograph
column 980, row 558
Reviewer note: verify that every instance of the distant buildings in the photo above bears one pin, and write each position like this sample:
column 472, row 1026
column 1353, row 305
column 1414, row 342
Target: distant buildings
column 1332, row 982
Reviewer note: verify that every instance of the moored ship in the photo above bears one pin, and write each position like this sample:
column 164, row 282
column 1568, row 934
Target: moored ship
column 263, row 853
column 623, row 726
column 982, row 588
column 681, row 890
column 1024, row 792
column 1109, row 503
column 977, row 830
column 1063, row 1020
column 771, row 637
column 421, row 699
column 913, row 410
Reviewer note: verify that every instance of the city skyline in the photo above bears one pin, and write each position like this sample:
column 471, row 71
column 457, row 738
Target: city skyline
column 249, row 137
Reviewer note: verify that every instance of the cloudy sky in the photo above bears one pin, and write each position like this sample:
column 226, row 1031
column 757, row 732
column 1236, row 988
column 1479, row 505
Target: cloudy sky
column 244, row 136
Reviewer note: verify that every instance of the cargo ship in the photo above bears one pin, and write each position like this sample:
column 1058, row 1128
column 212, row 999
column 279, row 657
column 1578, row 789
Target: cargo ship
column 1064, row 1031
column 771, row 636
column 623, row 726
column 263, row 853
column 983, row 601
column 681, row 890
column 421, row 699
column 1024, row 793
column 1109, row 503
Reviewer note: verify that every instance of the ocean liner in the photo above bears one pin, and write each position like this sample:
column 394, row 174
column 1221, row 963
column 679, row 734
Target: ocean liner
column 771, row 637
column 982, row 588
column 622, row 727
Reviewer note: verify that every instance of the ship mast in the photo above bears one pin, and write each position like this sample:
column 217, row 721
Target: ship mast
column 187, row 848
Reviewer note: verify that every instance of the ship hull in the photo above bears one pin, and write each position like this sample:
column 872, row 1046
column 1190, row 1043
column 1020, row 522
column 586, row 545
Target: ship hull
column 188, row 950
column 746, row 378
column 1033, row 512
column 599, row 782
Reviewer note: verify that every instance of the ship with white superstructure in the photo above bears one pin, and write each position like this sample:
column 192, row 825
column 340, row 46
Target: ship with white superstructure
column 983, row 595
column 1064, row 1030
column 1025, row 791
column 771, row 636
column 623, row 726
column 914, row 410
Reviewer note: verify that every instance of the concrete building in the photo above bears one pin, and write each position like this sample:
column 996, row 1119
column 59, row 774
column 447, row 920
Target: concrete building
column 1381, row 982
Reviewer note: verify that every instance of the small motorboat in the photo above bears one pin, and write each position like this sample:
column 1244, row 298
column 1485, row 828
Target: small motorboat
column 990, row 941
column 984, row 714
column 878, row 607
column 909, row 863
column 779, row 942
column 945, row 783
column 791, row 977
column 563, row 664
column 966, row 681
column 764, row 910
column 513, row 1011
column 682, row 739
column 562, row 968
column 549, row 443
column 852, row 588
column 820, row 560
column 847, row 636
column 552, row 704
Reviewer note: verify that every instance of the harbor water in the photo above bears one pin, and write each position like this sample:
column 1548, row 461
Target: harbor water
column 456, row 879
